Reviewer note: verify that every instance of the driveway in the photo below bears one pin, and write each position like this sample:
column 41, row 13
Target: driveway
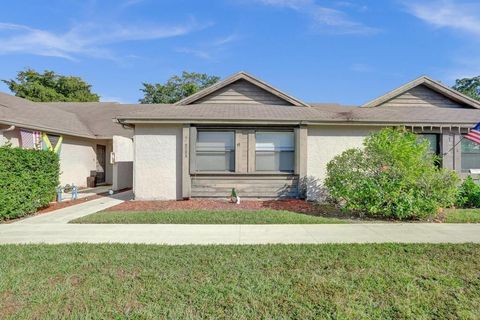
column 53, row 228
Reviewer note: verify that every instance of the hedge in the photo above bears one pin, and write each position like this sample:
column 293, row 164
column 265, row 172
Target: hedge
column 393, row 176
column 28, row 179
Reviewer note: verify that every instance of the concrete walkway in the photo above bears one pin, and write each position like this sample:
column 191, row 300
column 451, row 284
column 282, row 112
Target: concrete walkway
column 239, row 234
column 76, row 211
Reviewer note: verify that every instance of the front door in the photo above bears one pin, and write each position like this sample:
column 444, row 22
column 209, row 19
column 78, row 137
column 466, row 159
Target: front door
column 101, row 159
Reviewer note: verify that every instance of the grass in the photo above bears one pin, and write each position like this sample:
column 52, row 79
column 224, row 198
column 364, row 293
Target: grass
column 206, row 217
column 462, row 215
column 113, row 281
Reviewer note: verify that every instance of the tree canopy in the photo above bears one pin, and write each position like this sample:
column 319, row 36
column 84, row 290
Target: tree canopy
column 49, row 86
column 176, row 88
column 469, row 87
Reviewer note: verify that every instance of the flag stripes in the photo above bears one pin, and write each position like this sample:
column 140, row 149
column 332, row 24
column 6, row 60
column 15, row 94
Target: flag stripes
column 474, row 134
column 30, row 139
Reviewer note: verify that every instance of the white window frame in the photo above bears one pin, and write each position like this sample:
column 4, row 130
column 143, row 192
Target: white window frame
column 270, row 149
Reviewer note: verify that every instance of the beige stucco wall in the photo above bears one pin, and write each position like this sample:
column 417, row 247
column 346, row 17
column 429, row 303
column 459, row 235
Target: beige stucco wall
column 123, row 148
column 324, row 143
column 123, row 165
column 77, row 160
column 157, row 162
column 122, row 175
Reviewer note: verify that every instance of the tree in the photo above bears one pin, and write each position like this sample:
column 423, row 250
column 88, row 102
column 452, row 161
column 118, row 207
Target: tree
column 393, row 176
column 469, row 87
column 176, row 88
column 49, row 86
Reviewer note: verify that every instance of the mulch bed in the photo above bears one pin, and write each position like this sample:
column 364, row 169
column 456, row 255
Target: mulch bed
column 294, row 205
column 68, row 203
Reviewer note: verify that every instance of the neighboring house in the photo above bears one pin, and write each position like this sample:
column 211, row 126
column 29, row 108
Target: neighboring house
column 239, row 133
column 92, row 143
column 242, row 133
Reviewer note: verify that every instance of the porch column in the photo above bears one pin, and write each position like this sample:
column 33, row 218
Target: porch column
column 301, row 136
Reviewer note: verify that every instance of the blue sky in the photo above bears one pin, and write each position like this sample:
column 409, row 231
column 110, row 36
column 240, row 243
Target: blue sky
column 341, row 51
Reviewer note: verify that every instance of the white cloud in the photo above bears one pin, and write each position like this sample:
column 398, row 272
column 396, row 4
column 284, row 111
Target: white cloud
column 325, row 19
column 464, row 18
column 447, row 14
column 112, row 99
column 361, row 67
column 89, row 39
column 212, row 49
column 129, row 3
column 199, row 53
column 293, row 4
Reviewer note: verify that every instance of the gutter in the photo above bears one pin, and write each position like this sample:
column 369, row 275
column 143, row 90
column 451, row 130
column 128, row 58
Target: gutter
column 50, row 130
column 131, row 121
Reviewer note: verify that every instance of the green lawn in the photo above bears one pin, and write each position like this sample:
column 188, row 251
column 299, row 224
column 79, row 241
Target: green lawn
column 206, row 217
column 113, row 281
column 462, row 216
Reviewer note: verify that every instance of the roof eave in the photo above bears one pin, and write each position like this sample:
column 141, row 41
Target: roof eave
column 47, row 129
column 133, row 121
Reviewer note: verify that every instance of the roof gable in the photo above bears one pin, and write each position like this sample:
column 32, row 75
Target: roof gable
column 424, row 92
column 242, row 88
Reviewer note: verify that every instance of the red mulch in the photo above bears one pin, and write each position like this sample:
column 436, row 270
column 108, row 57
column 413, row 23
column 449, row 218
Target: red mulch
column 55, row 205
column 294, row 205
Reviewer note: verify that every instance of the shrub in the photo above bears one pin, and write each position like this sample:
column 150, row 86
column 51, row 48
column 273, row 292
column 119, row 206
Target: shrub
column 393, row 176
column 469, row 194
column 27, row 180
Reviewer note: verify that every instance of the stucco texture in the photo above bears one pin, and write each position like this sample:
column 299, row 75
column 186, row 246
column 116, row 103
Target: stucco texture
column 157, row 162
column 123, row 163
column 324, row 143
column 78, row 159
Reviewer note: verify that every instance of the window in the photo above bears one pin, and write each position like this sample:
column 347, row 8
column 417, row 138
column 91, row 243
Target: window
column 215, row 151
column 470, row 155
column 274, row 151
column 433, row 141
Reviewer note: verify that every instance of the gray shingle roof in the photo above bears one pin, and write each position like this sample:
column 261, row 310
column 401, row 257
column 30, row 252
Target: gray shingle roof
column 95, row 119
column 21, row 112
column 85, row 119
column 316, row 113
column 98, row 116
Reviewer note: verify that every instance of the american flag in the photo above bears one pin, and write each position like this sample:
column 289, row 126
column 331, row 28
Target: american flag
column 474, row 134
column 30, row 139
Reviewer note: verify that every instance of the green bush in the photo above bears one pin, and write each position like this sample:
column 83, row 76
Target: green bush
column 28, row 179
column 393, row 176
column 469, row 194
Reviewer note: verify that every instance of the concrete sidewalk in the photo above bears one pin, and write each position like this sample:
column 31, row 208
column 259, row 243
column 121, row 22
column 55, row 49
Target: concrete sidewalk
column 53, row 228
column 239, row 234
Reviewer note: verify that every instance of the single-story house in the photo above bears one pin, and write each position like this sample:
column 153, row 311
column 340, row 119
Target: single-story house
column 243, row 133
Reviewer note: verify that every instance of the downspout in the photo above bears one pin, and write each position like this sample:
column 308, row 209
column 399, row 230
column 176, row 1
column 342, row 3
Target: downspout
column 123, row 124
column 11, row 128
